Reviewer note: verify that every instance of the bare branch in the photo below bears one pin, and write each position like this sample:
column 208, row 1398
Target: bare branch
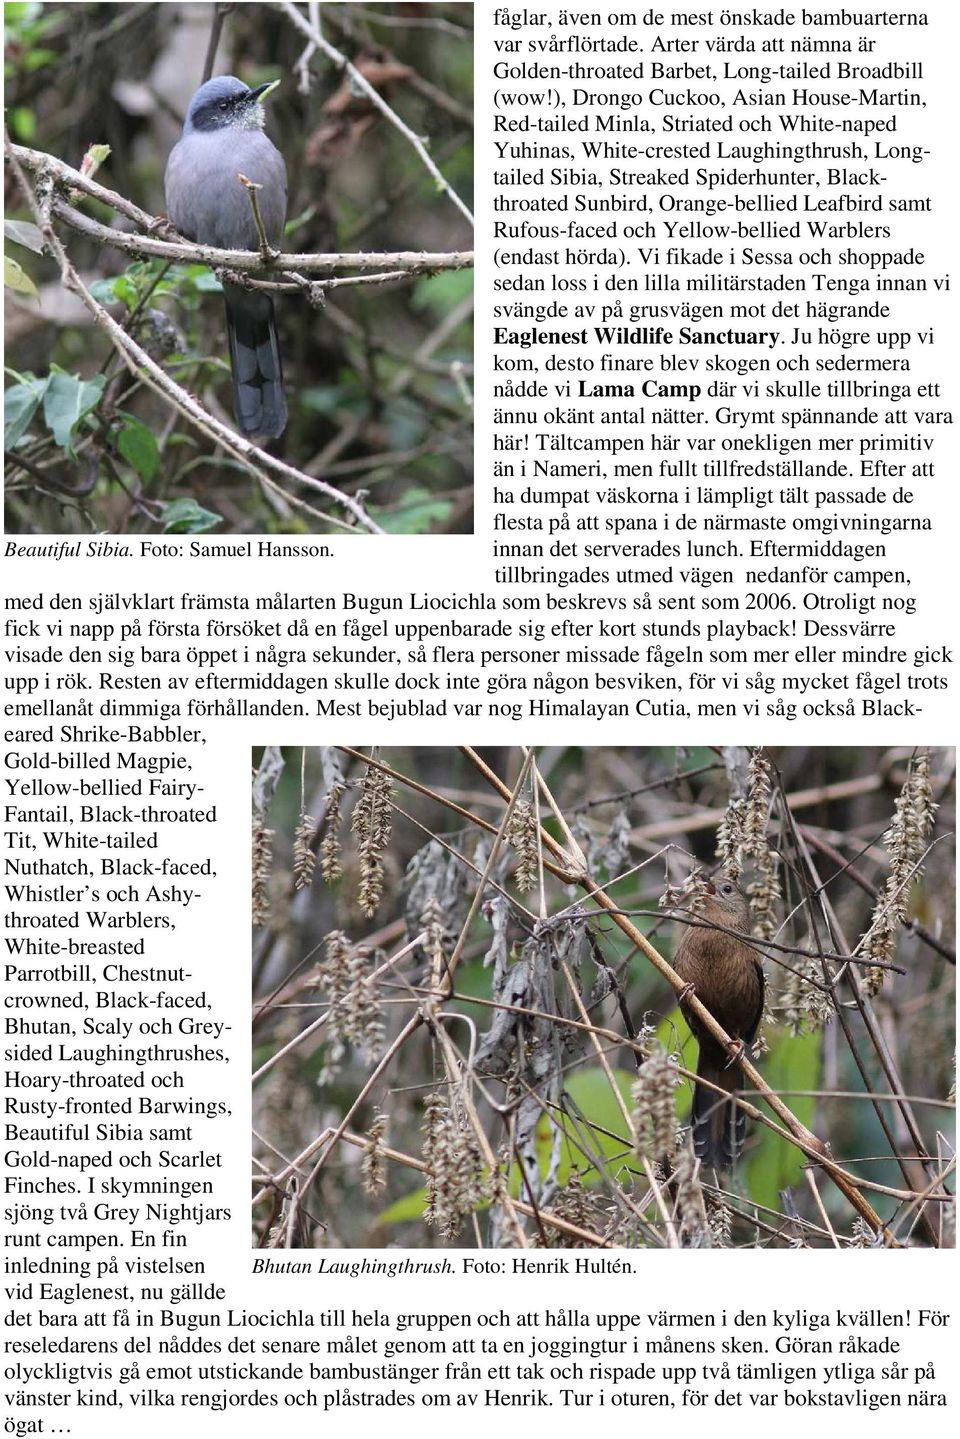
column 376, row 99
column 254, row 459
column 186, row 252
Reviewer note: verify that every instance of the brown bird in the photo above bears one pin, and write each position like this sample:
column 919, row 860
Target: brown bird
column 727, row 977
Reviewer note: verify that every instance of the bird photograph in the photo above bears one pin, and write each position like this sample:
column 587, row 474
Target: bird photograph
column 569, row 997
column 239, row 269
column 222, row 139
column 725, row 972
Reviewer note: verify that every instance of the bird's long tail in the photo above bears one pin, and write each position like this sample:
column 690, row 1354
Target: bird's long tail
column 255, row 358
column 719, row 1125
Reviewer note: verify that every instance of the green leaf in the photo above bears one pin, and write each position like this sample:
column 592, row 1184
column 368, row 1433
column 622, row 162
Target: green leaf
column 411, row 1206
column 36, row 59
column 595, row 1127
column 189, row 282
column 16, row 278
column 118, row 290
column 673, row 1033
column 139, row 448
column 601, row 1131
column 323, row 399
column 105, row 291
column 442, row 292
column 774, row 1163
column 23, row 233
column 96, row 156
column 186, row 517
column 126, row 291
column 419, row 512
column 406, row 427
column 20, row 404
column 23, row 123
column 66, row 401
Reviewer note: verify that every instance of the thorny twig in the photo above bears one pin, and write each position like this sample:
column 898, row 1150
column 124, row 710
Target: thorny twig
column 363, row 86
column 254, row 459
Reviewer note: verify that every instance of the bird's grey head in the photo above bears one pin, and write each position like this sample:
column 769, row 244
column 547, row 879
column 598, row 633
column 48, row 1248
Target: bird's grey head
column 226, row 103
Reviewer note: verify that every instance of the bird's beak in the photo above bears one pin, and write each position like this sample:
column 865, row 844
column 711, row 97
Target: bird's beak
column 262, row 91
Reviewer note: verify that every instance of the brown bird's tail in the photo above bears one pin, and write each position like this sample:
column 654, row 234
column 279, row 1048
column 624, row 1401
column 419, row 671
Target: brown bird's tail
column 719, row 1125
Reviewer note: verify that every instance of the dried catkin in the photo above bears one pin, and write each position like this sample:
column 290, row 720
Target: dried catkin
column 347, row 972
column 862, row 1236
column 758, row 801
column 655, row 1112
column 433, row 939
column 731, row 836
column 362, row 1019
column 455, row 1184
column 304, row 858
column 688, row 895
column 372, row 823
column 261, row 862
column 576, row 1205
column 905, row 843
column 720, row 1219
column 334, row 971
column 331, row 866
column 805, row 1006
column 521, row 832
column 695, row 1231
column 764, row 891
column 373, row 1170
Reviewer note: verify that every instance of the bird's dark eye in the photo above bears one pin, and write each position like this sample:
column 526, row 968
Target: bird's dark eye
column 726, row 889
column 223, row 104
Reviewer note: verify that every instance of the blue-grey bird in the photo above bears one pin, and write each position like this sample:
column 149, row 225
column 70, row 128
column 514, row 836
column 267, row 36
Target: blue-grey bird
column 223, row 138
